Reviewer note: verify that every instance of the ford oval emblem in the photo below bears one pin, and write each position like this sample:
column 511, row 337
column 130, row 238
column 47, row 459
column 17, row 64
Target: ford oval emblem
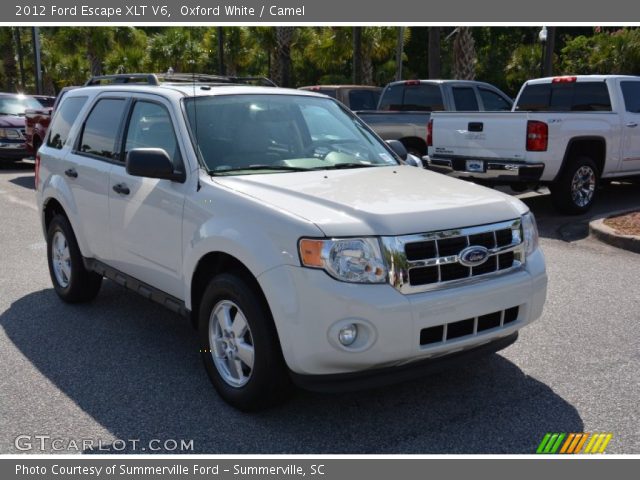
column 473, row 256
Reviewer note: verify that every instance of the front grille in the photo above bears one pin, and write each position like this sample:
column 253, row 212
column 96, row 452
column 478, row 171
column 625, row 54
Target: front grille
column 468, row 327
column 426, row 261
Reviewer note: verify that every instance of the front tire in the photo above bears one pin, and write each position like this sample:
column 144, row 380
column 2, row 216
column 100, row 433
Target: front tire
column 71, row 280
column 574, row 192
column 239, row 345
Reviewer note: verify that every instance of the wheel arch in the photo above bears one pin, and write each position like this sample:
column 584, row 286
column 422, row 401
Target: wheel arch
column 214, row 263
column 593, row 146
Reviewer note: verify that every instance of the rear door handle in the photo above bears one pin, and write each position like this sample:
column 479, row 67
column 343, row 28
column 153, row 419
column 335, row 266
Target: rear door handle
column 632, row 124
column 121, row 188
column 71, row 172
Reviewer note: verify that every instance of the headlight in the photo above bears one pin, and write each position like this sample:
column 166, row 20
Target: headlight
column 356, row 260
column 530, row 233
column 10, row 133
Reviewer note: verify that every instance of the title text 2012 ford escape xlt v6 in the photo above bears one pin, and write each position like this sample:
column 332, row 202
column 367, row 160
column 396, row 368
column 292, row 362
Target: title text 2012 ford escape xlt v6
column 301, row 247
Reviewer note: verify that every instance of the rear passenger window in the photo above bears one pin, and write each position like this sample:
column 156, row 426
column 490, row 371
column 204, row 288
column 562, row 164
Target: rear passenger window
column 101, row 128
column 631, row 94
column 150, row 127
column 63, row 119
column 465, row 99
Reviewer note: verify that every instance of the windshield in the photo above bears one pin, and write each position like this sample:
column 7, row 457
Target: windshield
column 243, row 134
column 17, row 105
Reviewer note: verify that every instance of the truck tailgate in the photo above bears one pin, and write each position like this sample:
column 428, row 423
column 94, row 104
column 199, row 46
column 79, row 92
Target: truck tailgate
column 480, row 135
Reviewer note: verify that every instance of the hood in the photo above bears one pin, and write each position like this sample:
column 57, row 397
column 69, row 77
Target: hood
column 378, row 201
column 8, row 121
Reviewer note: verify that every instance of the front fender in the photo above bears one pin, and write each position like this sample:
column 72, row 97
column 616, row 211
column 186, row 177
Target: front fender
column 258, row 236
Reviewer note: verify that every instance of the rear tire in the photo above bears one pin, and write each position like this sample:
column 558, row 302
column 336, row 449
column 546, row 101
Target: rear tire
column 239, row 345
column 71, row 280
column 575, row 191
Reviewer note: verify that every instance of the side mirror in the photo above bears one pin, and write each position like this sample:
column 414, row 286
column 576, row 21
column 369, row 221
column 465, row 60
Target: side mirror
column 152, row 163
column 413, row 161
column 398, row 148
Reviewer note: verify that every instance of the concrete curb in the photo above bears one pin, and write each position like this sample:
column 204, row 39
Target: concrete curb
column 606, row 234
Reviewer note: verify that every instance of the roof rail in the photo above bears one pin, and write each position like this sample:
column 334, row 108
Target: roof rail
column 156, row 79
column 141, row 78
column 208, row 78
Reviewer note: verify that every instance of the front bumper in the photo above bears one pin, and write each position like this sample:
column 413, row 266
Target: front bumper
column 309, row 308
column 492, row 171
column 347, row 382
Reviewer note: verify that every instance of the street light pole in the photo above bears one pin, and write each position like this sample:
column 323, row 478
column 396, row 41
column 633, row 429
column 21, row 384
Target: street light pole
column 542, row 36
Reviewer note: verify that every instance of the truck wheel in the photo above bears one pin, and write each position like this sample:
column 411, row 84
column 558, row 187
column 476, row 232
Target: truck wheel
column 575, row 191
column 239, row 345
column 71, row 280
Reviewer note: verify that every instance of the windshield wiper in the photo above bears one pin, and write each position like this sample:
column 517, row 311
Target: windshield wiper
column 338, row 166
column 283, row 168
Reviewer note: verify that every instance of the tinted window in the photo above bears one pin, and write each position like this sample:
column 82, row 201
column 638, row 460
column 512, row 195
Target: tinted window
column 465, row 99
column 63, row 120
column 631, row 94
column 392, row 97
column 493, row 102
column 150, row 127
column 535, row 98
column 330, row 92
column 591, row 96
column 564, row 97
column 561, row 97
column 363, row 99
column 423, row 97
column 101, row 128
column 418, row 97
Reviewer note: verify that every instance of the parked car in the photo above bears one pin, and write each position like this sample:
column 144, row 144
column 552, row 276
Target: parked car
column 356, row 97
column 565, row 132
column 12, row 125
column 37, row 121
column 298, row 244
column 405, row 107
column 46, row 101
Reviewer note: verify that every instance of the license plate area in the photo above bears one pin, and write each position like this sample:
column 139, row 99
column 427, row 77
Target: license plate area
column 474, row 166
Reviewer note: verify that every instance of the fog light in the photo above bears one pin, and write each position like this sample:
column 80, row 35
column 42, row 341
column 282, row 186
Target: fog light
column 348, row 334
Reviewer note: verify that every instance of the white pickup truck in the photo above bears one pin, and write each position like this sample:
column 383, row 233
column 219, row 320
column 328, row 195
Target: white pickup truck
column 564, row 132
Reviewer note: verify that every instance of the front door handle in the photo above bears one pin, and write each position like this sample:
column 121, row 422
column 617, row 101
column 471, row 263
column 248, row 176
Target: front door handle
column 632, row 124
column 121, row 188
column 71, row 172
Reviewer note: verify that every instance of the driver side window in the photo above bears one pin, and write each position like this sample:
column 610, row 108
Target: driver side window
column 150, row 126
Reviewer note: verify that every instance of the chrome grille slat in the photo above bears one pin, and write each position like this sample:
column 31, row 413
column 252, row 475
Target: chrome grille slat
column 429, row 273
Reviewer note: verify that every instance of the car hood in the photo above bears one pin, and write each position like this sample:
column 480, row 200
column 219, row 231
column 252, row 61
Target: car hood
column 378, row 201
column 8, row 121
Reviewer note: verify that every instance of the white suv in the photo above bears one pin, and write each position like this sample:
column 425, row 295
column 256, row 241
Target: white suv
column 301, row 246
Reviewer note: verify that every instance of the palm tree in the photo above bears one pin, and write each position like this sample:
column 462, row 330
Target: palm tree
column 8, row 59
column 464, row 55
column 434, row 53
column 282, row 70
column 357, row 55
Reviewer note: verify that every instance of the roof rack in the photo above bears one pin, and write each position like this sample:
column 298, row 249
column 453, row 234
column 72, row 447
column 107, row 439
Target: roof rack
column 157, row 79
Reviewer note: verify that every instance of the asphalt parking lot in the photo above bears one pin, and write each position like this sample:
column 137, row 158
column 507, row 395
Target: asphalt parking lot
column 124, row 368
